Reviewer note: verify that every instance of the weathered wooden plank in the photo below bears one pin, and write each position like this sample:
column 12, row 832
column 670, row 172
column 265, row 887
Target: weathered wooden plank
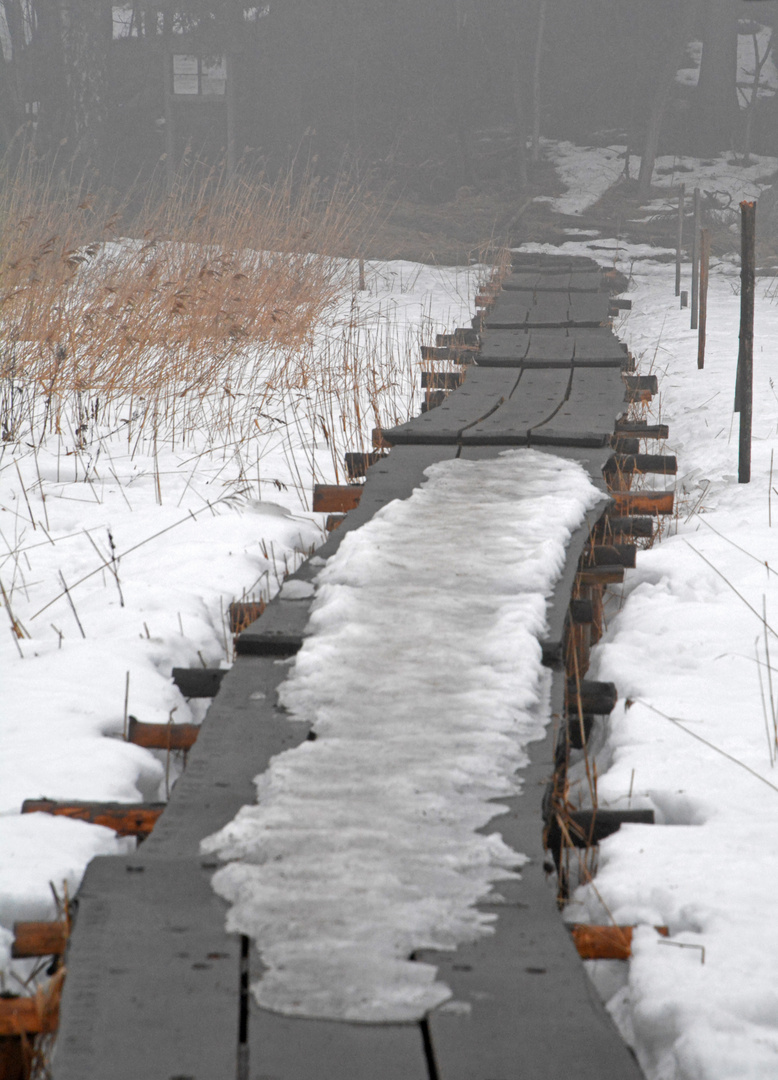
column 538, row 393
column 589, row 309
column 482, row 392
column 291, row 1048
column 153, row 977
column 627, row 503
column 593, row 404
column 513, row 311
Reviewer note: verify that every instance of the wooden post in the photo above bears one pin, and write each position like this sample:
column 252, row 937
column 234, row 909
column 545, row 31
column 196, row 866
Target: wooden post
column 704, row 268
column 746, row 353
column 696, row 260
column 679, row 238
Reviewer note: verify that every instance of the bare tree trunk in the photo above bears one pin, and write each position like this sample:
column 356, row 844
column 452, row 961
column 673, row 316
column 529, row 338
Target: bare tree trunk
column 716, row 107
column 85, row 27
column 663, row 93
column 535, row 157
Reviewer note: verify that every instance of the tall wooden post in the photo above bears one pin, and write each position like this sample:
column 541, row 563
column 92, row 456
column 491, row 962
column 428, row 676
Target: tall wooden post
column 746, row 352
column 704, row 269
column 696, row 261
column 679, row 238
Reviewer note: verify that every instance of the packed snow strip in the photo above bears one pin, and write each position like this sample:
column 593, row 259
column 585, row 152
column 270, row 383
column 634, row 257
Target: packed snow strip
column 422, row 677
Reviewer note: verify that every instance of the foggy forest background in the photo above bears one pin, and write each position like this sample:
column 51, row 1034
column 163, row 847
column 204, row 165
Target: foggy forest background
column 429, row 95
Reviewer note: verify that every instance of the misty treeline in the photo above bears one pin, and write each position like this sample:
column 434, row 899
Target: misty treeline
column 436, row 94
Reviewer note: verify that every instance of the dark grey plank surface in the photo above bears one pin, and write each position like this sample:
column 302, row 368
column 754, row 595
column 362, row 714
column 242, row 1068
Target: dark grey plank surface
column 285, row 1048
column 525, row 1008
column 482, row 391
column 551, row 263
column 593, row 346
column 152, row 990
column 589, row 414
column 242, row 730
column 538, row 394
column 513, row 310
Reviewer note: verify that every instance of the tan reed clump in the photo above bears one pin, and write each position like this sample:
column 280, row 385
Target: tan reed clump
column 209, row 291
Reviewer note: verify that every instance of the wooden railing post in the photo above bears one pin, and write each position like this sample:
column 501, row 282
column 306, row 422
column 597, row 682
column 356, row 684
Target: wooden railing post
column 745, row 377
column 696, row 260
column 679, row 238
column 704, row 268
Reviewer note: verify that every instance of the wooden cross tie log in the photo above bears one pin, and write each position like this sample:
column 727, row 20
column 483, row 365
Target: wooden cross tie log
column 126, row 819
column 39, row 939
column 162, row 736
column 600, row 575
column 357, row 463
column 592, row 698
column 198, row 682
column 642, row 429
column 27, row 1016
column 658, row 464
column 628, row 503
column 606, row 942
column 441, row 380
column 614, row 555
column 243, row 613
column 336, row 498
column 631, row 526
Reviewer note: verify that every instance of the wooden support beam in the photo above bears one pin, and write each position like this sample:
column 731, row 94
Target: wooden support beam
column 126, row 819
column 620, row 305
column 596, row 698
column 455, row 354
column 378, row 440
column 576, row 741
column 581, row 612
column 462, row 336
column 600, row 575
column 642, row 382
column 606, row 942
column 441, row 380
column 625, row 446
column 334, row 521
column 588, row 827
column 642, row 429
column 25, row 1016
column 243, row 613
column 162, row 736
column 656, row 464
column 614, row 555
column 199, row 682
column 39, row 939
column 627, row 503
column 358, row 463
column 631, row 526
column 433, row 399
column 335, row 498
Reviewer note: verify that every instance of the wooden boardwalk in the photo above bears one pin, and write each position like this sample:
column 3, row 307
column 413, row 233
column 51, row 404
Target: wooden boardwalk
column 156, row 987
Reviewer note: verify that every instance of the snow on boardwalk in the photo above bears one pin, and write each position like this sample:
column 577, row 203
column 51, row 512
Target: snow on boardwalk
column 423, row 679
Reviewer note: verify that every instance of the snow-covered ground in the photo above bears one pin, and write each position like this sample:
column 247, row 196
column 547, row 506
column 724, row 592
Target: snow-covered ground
column 691, row 644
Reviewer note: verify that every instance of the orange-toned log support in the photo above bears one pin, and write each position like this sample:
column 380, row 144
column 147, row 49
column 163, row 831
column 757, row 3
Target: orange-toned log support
column 37, row 1015
column 606, row 942
column 243, row 613
column 335, row 499
column 39, row 939
column 126, row 819
column 162, row 736
column 627, row 503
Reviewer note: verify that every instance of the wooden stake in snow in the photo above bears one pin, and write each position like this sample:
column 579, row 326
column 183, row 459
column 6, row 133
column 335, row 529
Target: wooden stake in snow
column 696, row 260
column 745, row 363
column 679, row 238
column 704, row 268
